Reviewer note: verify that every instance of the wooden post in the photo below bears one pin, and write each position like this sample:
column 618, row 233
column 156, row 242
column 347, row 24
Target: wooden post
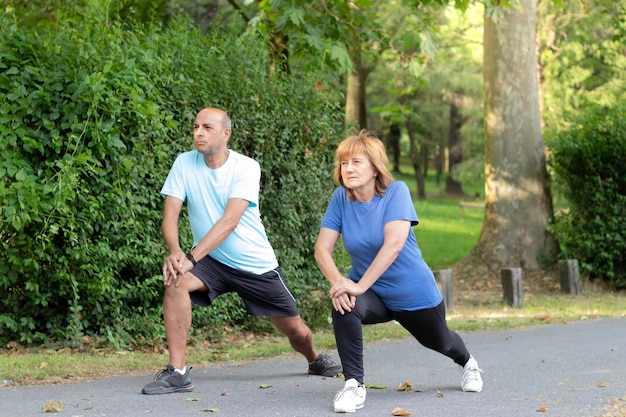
column 512, row 286
column 445, row 278
column 570, row 276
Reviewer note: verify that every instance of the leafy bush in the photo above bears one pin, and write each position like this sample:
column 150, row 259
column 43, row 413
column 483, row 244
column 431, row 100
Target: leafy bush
column 92, row 118
column 590, row 166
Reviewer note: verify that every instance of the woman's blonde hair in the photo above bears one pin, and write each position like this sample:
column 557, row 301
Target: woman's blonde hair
column 365, row 143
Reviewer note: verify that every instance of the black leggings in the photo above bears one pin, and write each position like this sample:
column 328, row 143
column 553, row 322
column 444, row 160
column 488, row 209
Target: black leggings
column 427, row 326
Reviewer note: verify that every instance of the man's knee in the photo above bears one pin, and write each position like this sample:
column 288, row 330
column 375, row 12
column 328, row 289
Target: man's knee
column 186, row 285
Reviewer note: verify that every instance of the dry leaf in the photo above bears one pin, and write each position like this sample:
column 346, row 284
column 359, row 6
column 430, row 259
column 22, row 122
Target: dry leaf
column 439, row 394
column 601, row 384
column 224, row 394
column 53, row 407
column 43, row 365
column 400, row 412
column 542, row 409
column 210, row 410
column 405, row 386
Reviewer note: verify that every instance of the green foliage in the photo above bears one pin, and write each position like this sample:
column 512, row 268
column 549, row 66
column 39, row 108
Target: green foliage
column 581, row 56
column 93, row 116
column 590, row 166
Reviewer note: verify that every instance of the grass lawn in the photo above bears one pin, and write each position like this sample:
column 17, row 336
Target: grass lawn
column 445, row 234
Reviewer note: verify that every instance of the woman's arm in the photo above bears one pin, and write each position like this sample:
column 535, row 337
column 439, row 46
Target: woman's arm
column 396, row 233
column 326, row 241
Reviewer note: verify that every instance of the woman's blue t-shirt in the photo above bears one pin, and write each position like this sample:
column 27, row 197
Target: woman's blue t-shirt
column 409, row 283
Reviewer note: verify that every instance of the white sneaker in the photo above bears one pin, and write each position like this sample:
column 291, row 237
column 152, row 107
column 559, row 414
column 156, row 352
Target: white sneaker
column 472, row 381
column 350, row 398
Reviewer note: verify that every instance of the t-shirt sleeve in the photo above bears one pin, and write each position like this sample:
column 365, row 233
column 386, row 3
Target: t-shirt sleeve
column 247, row 182
column 332, row 217
column 401, row 204
column 174, row 185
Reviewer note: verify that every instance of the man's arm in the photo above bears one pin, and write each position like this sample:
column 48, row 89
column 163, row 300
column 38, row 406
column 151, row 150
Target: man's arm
column 222, row 228
column 177, row 264
column 169, row 228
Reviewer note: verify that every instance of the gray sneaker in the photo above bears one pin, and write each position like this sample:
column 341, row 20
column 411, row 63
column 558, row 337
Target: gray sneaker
column 168, row 381
column 325, row 366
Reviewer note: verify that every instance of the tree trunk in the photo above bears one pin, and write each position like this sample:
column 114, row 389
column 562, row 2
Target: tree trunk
column 440, row 156
column 415, row 161
column 356, row 99
column 455, row 147
column 518, row 203
column 393, row 145
column 352, row 100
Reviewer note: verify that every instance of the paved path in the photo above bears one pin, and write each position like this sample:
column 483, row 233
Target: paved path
column 569, row 370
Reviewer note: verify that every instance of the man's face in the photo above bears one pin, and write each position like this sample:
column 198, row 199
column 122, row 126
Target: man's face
column 209, row 134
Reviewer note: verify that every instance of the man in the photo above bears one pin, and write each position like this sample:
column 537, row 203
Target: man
column 231, row 251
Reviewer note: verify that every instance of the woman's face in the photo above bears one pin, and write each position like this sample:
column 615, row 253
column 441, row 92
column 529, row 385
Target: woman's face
column 358, row 173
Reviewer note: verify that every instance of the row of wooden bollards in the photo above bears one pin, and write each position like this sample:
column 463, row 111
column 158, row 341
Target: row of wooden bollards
column 512, row 288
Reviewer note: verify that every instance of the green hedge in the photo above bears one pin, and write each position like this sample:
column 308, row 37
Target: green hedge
column 92, row 118
column 589, row 160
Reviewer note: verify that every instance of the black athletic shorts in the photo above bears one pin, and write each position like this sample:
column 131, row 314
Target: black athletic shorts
column 264, row 295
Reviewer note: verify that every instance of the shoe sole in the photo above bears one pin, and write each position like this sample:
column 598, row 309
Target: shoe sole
column 186, row 388
column 358, row 407
column 327, row 374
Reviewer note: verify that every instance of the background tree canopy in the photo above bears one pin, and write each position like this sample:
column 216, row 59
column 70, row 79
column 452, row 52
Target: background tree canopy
column 93, row 115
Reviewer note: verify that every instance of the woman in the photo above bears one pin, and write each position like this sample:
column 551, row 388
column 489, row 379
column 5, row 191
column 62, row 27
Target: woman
column 389, row 279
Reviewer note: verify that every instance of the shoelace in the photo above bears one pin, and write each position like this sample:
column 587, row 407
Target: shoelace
column 324, row 361
column 471, row 374
column 352, row 390
column 167, row 371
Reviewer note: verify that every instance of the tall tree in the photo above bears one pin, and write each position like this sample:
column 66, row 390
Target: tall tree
column 455, row 146
column 518, row 203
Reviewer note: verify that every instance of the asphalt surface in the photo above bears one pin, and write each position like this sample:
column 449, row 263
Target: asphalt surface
column 570, row 369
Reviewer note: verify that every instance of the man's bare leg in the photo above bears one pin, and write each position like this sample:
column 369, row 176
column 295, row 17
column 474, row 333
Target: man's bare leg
column 177, row 317
column 298, row 333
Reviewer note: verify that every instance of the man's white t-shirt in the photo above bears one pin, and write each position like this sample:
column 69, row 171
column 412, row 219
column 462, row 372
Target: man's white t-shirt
column 206, row 192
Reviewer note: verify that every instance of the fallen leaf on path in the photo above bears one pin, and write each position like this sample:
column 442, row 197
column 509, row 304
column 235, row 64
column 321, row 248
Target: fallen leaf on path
column 542, row 409
column 192, row 399
column 210, row 410
column 405, row 386
column 400, row 412
column 53, row 407
column 439, row 394
column 224, row 394
column 265, row 386
column 601, row 384
column 371, row 386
